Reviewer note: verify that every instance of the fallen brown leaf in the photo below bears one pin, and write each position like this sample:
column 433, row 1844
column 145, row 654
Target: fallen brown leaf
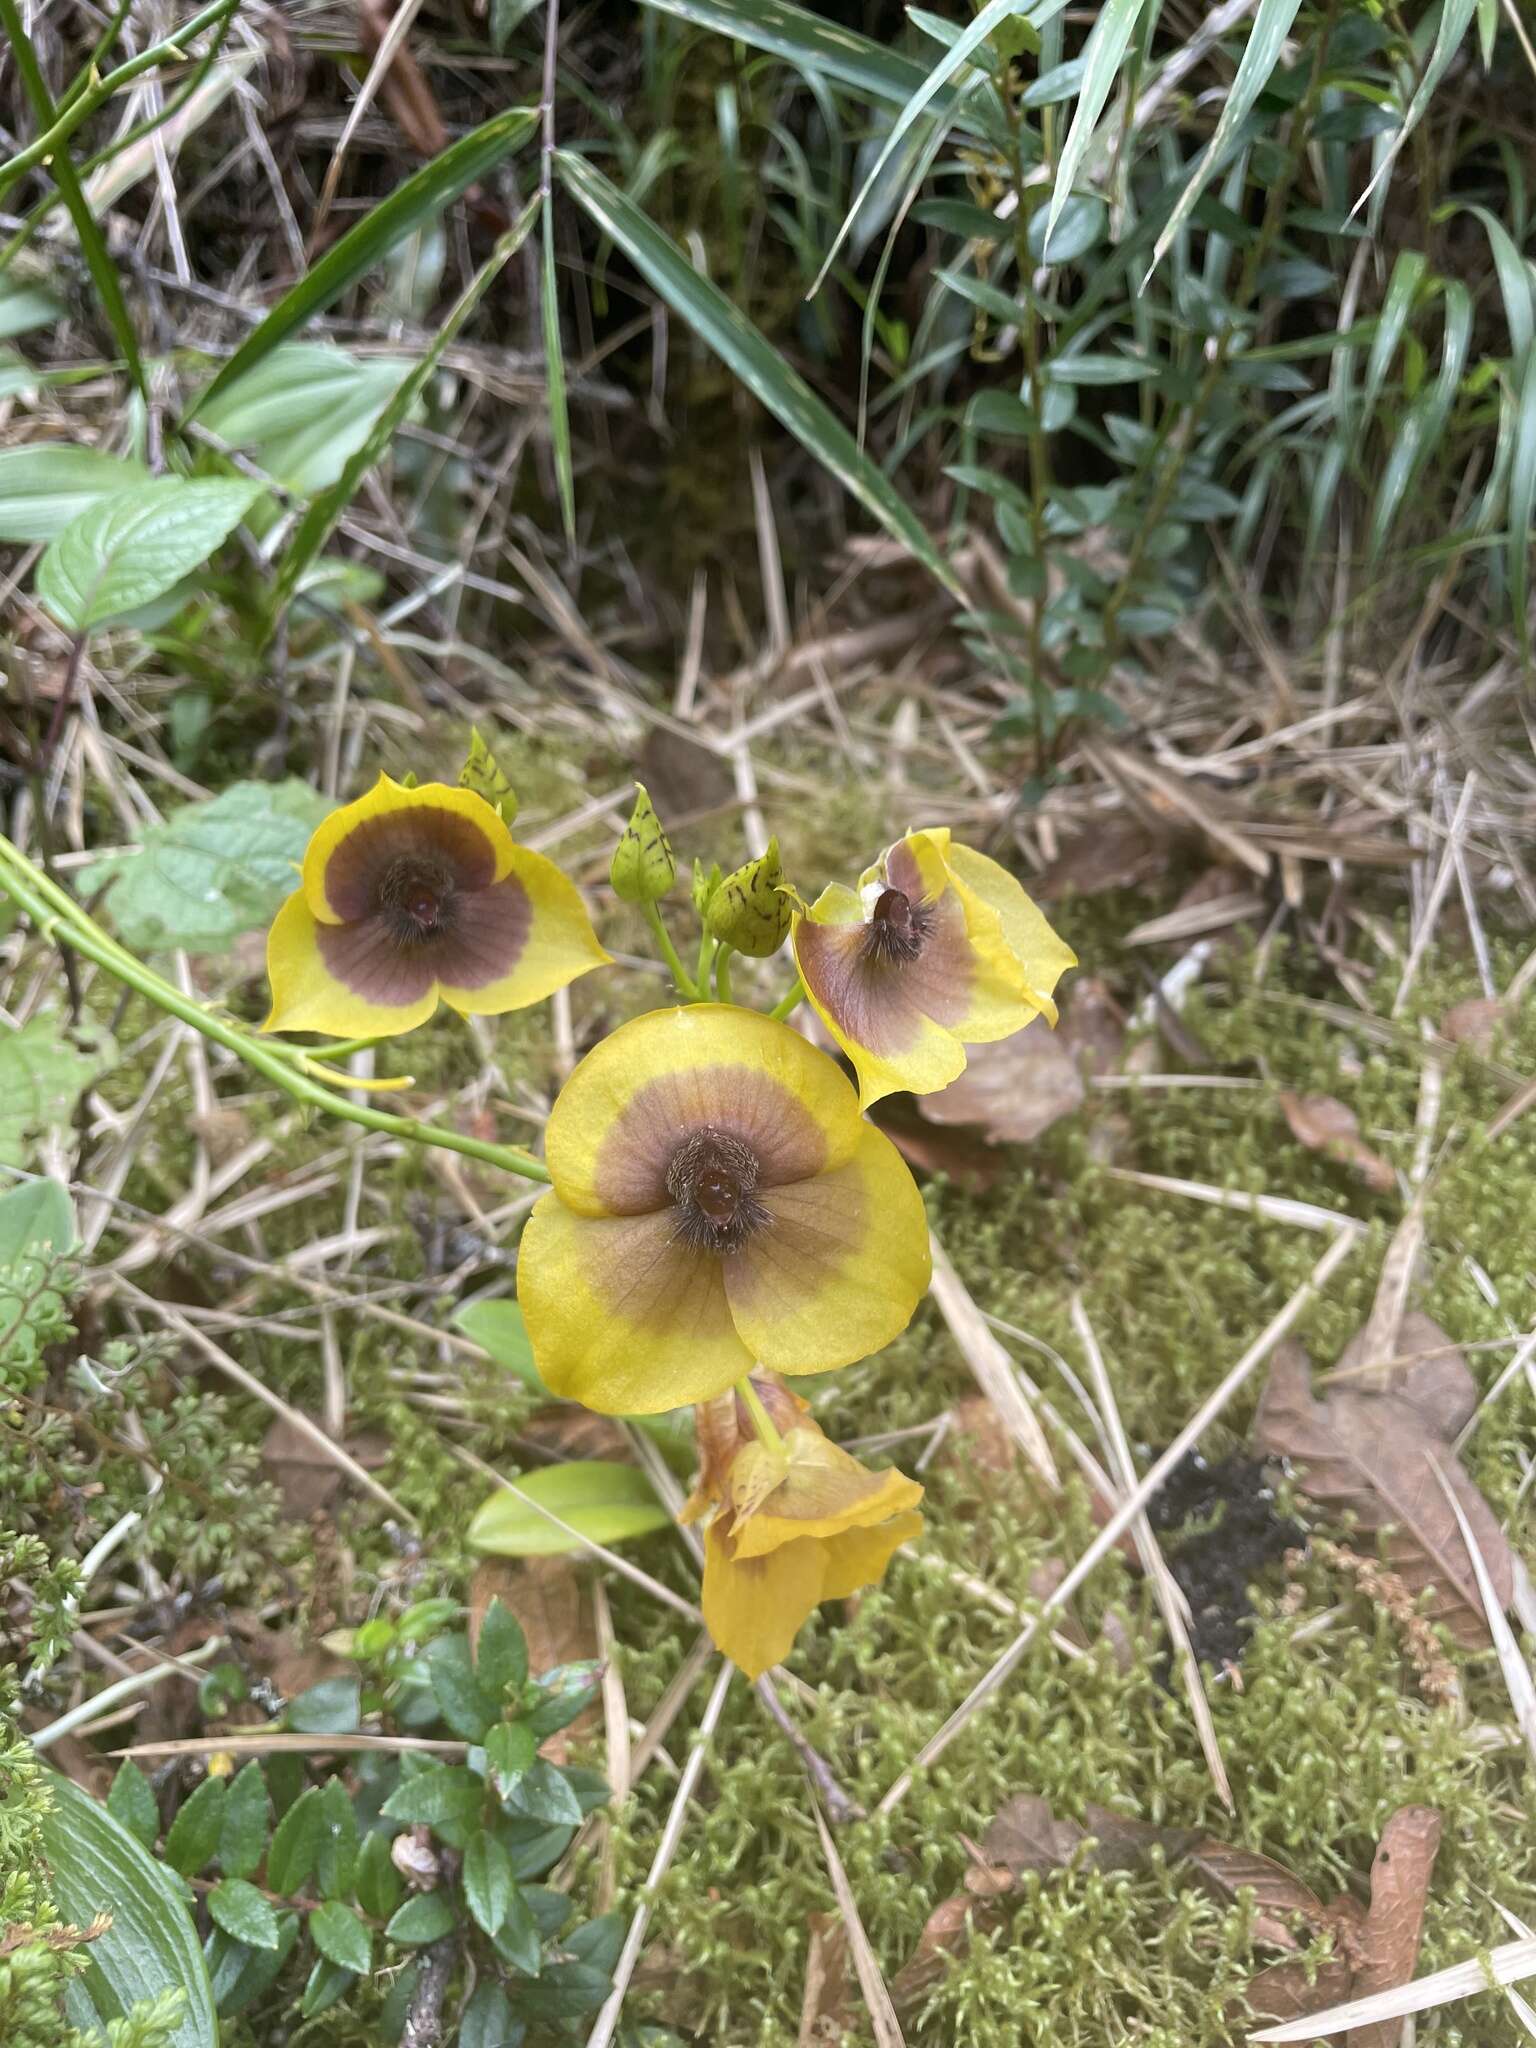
column 959, row 1155
column 944, row 1934
column 1012, row 1090
column 404, row 89
column 548, row 1599
column 1375, row 1453
column 1405, row 1858
column 306, row 1478
column 1118, row 852
column 1324, row 1124
column 827, row 2008
column 1226, row 1869
column 1475, row 1022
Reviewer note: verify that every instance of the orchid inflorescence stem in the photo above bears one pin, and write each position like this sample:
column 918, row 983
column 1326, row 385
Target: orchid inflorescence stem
column 762, row 1421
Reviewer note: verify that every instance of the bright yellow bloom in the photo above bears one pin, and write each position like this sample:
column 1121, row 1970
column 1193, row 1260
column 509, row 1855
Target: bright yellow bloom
column 790, row 1529
column 939, row 948
column 717, row 1200
column 411, row 897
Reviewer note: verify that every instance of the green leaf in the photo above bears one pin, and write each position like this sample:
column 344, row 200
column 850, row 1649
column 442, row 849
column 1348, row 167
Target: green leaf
column 482, row 774
column 151, row 1946
column 501, row 1656
column 541, row 1793
column 518, row 1938
column 326, row 1983
column 487, row 1881
column 564, row 1991
column 341, row 1937
column 1097, row 369
column 43, row 1074
column 563, row 1692
column 130, row 548
column 210, row 872
column 295, row 1843
column 425, row 1918
column 24, row 306
column 1522, row 500
column 1080, row 226
column 333, row 1707
column 467, row 1706
column 1103, row 53
column 440, row 1792
column 379, row 1886
column 554, row 374
column 498, row 1327
column 336, row 1855
column 750, row 358
column 241, row 1911
column 239, row 1975
column 243, row 1835
column 607, row 1503
column 305, row 410
column 488, row 2021
column 131, row 1803
column 510, row 1747
column 1420, row 430
column 44, row 489
column 1455, row 18
column 194, row 1836
column 436, row 185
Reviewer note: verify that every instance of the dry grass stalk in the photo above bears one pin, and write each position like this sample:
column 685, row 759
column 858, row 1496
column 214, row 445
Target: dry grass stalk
column 992, row 1367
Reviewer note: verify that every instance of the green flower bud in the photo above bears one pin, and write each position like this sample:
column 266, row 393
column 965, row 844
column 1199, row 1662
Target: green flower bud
column 750, row 910
column 481, row 774
column 706, row 880
column 644, row 866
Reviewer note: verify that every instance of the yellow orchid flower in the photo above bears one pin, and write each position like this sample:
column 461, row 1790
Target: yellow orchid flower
column 716, row 1200
column 411, row 897
column 791, row 1526
column 939, row 948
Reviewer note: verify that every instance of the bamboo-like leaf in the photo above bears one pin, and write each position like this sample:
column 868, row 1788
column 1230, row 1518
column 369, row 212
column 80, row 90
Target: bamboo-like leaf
column 1421, row 430
column 1407, row 273
column 1108, row 41
column 1455, row 17
column 1271, row 26
column 1517, row 282
column 745, row 352
column 554, row 375
column 432, row 188
column 1522, row 500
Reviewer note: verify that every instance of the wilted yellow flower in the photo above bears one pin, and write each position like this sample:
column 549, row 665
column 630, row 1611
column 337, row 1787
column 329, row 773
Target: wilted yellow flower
column 790, row 1527
column 717, row 1200
column 938, row 948
column 410, row 897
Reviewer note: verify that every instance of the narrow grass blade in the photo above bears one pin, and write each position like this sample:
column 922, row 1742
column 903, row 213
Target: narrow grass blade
column 745, row 352
column 1421, row 430
column 1455, row 17
column 1522, row 500
column 1103, row 54
column 1517, row 286
column 314, row 528
column 1261, row 53
column 1407, row 274
column 434, row 186
column 554, row 375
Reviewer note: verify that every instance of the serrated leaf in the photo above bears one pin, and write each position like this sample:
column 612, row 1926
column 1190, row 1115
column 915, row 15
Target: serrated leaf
column 441, row 1792
column 607, row 1503
column 45, row 489
column 243, row 1834
column 212, row 870
column 128, row 549
column 151, row 1946
column 428, row 1917
column 487, row 1881
column 131, row 1803
column 194, row 1833
column 242, row 1912
column 541, row 1793
column 501, row 1655
column 510, row 1747
column 518, row 1939
column 466, row 1705
column 295, row 1844
column 379, row 1886
column 43, row 1073
column 341, row 1937
column 336, row 1855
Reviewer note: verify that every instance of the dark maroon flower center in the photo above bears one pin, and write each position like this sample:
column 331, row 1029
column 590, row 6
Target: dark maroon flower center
column 898, row 928
column 417, row 899
column 713, row 1183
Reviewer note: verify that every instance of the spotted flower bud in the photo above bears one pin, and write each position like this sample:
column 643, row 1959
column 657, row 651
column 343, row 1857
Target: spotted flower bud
column 481, row 774
column 644, row 866
column 750, row 911
column 706, row 881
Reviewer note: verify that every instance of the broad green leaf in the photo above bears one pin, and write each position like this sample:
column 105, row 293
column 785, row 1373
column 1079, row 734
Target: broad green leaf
column 131, row 1800
column 510, row 1747
column 501, row 1654
column 333, row 1707
column 498, row 1327
column 241, row 1911
column 448, row 1792
column 336, row 1855
column 488, row 2021
column 1081, row 225
column 296, row 1843
column 243, row 1834
column 240, row 1975
column 305, row 410
column 1261, row 53
column 467, row 1706
column 341, row 1937
column 542, row 1793
column 564, row 1991
column 128, row 549
column 420, row 1920
column 43, row 1074
column 151, row 1946
column 606, row 1503
column 326, row 1983
column 519, row 1939
column 487, row 1881
column 45, row 488
column 25, row 306
column 436, row 185
column 1103, row 53
column 1097, row 369
column 212, row 870
column 749, row 357
column 194, row 1833
column 379, row 1886
column 1419, row 433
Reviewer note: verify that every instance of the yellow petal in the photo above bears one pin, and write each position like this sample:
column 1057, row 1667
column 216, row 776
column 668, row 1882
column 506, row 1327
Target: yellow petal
column 621, row 1316
column 823, row 1501
column 859, row 1557
column 990, row 893
column 629, row 1103
column 840, row 1267
column 560, row 945
column 754, row 1608
column 387, row 797
column 306, row 997
column 933, row 1059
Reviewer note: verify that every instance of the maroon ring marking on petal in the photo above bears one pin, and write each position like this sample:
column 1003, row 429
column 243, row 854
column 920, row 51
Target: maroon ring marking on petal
column 356, row 870
column 484, row 937
column 878, row 1000
column 367, row 960
column 813, row 1229
column 903, row 872
column 643, row 1272
column 736, row 1101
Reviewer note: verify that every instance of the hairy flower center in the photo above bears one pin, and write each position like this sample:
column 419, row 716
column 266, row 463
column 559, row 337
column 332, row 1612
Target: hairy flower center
column 417, row 899
column 713, row 1181
column 898, row 928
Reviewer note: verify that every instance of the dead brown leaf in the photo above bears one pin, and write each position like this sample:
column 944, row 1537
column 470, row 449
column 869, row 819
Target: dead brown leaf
column 548, row 1599
column 1324, row 1124
column 1405, row 1859
column 1118, row 852
column 945, row 1933
column 959, row 1155
column 1375, row 1453
column 306, row 1478
column 1226, row 1869
column 827, row 2008
column 1475, row 1022
column 404, row 89
column 1012, row 1090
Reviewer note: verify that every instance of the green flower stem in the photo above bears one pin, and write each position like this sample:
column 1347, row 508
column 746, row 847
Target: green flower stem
column 762, row 1421
column 685, row 985
column 790, row 1003
column 55, row 915
column 706, row 955
column 723, row 974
